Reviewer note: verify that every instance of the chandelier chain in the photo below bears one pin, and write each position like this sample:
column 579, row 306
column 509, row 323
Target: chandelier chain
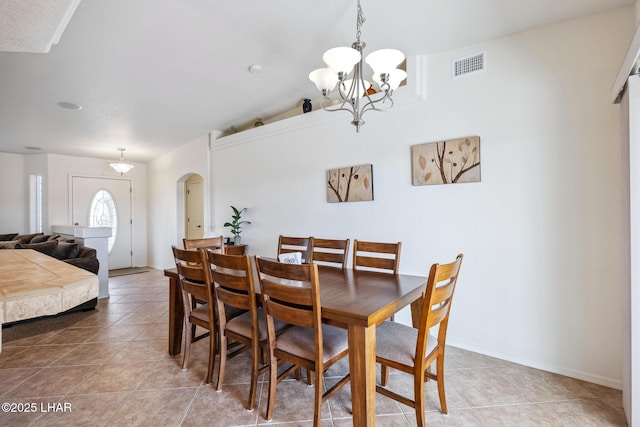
column 359, row 21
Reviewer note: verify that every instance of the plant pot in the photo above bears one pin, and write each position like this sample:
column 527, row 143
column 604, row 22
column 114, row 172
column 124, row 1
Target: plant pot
column 236, row 240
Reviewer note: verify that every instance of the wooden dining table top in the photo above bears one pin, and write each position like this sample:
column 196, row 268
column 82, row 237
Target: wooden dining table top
column 357, row 296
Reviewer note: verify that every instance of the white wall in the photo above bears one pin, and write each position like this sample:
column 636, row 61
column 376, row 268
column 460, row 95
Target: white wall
column 542, row 278
column 14, row 194
column 166, row 198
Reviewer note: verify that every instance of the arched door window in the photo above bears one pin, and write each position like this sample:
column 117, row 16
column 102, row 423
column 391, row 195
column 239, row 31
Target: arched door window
column 103, row 214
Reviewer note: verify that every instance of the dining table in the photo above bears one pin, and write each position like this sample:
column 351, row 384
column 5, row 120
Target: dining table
column 356, row 300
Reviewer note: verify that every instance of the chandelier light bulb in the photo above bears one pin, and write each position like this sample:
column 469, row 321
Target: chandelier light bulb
column 357, row 92
column 394, row 78
column 384, row 60
column 341, row 59
column 325, row 79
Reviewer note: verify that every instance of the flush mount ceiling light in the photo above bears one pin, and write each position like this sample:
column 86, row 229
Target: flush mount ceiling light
column 122, row 166
column 354, row 91
column 69, row 105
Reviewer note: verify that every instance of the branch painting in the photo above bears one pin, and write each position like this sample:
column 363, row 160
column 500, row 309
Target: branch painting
column 350, row 184
column 446, row 162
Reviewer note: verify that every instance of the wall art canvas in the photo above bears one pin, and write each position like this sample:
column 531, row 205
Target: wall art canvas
column 446, row 162
column 350, row 184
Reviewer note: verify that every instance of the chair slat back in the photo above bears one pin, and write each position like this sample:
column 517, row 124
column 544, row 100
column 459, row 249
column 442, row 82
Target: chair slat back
column 191, row 274
column 290, row 292
column 232, row 279
column 437, row 300
column 329, row 251
column 376, row 256
column 287, row 244
column 215, row 244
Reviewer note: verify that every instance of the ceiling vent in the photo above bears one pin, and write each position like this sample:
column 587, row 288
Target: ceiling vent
column 471, row 64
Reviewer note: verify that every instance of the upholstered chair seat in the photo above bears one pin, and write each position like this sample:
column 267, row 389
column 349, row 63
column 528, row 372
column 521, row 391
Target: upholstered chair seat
column 404, row 340
column 299, row 341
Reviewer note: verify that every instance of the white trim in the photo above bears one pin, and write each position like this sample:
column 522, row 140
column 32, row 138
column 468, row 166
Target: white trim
column 629, row 67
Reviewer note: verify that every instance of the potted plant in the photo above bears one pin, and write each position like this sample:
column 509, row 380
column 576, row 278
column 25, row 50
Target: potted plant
column 236, row 224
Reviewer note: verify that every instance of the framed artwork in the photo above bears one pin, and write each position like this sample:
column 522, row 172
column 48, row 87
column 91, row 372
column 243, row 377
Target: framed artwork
column 350, row 184
column 446, row 162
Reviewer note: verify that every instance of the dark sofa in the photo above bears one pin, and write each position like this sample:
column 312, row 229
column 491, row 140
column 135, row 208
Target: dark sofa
column 55, row 246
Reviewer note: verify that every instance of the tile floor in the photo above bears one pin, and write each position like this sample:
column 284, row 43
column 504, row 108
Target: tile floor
column 110, row 367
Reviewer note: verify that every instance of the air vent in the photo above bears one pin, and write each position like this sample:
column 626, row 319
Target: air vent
column 462, row 67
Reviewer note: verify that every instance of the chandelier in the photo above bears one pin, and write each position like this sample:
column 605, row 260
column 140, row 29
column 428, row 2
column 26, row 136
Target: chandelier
column 121, row 165
column 357, row 95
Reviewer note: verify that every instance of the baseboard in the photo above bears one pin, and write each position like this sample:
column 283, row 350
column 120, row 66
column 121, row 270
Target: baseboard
column 573, row 373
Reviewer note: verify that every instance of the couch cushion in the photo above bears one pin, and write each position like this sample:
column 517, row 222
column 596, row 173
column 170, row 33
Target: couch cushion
column 66, row 250
column 47, row 248
column 7, row 237
column 87, row 252
column 9, row 244
column 59, row 238
column 41, row 238
column 87, row 263
column 26, row 238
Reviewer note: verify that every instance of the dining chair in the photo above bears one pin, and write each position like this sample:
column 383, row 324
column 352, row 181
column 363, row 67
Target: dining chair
column 231, row 277
column 192, row 280
column 291, row 293
column 287, row 244
column 376, row 256
column 216, row 244
column 414, row 350
column 329, row 252
column 235, row 249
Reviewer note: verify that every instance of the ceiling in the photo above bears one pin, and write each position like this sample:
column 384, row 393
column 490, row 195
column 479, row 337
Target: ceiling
column 151, row 75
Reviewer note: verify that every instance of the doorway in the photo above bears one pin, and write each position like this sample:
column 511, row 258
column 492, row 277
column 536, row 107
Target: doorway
column 194, row 207
column 106, row 202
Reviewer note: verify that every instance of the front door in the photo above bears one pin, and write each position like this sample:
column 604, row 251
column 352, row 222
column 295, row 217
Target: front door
column 106, row 202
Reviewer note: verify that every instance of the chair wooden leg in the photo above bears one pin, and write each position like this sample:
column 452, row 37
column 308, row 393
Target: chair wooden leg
column 309, row 377
column 255, row 354
column 317, row 410
column 223, row 361
column 418, row 397
column 273, row 381
column 212, row 358
column 187, row 344
column 193, row 332
column 384, row 375
column 440, row 380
